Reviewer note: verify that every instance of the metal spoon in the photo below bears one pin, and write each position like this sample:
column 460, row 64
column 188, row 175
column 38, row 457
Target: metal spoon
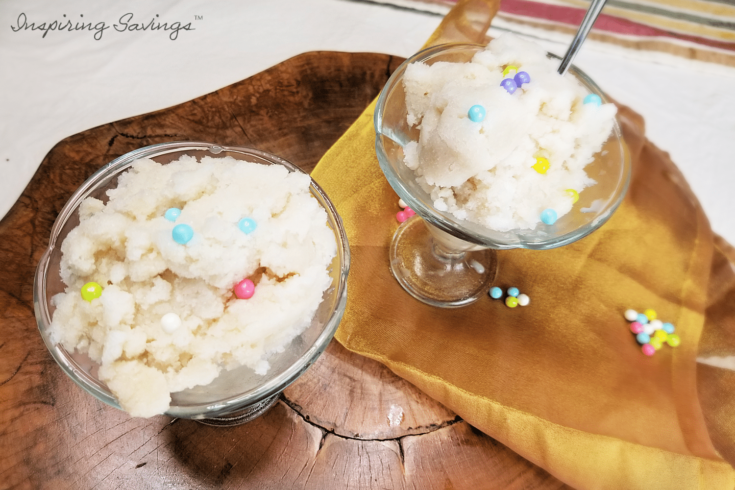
column 589, row 19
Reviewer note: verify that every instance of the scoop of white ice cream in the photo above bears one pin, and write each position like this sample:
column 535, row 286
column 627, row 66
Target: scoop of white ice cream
column 126, row 246
column 482, row 171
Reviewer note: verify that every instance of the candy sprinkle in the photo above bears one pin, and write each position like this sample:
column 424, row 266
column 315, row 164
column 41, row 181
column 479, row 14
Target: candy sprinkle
column 575, row 197
column 548, row 216
column 91, row 291
column 650, row 314
column 477, row 113
column 509, row 69
column 509, row 85
column 673, row 340
column 648, row 349
column 593, row 99
column 247, row 225
column 541, row 166
column 523, row 300
column 495, row 293
column 521, row 78
column 513, row 292
column 245, row 289
column 182, row 234
column 172, row 214
column 170, row 322
column 511, row 301
column 631, row 315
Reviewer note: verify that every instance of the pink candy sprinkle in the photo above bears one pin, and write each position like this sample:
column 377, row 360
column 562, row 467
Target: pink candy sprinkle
column 648, row 349
column 245, row 289
column 402, row 216
column 409, row 212
column 636, row 327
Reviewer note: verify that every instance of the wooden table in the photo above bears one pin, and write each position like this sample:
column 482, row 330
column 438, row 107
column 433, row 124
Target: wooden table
column 330, row 429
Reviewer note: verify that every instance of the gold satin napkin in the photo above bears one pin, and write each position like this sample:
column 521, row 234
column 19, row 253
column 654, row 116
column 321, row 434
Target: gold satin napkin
column 562, row 381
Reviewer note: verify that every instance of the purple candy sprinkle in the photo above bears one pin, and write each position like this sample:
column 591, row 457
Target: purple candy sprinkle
column 521, row 78
column 509, row 84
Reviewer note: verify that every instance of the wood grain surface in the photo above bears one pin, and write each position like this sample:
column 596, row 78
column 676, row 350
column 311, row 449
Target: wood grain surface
column 331, row 429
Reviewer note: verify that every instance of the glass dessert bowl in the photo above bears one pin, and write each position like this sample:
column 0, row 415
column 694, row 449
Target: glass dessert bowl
column 237, row 395
column 449, row 262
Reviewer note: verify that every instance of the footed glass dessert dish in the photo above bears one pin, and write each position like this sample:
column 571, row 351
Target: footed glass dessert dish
column 236, row 395
column 449, row 262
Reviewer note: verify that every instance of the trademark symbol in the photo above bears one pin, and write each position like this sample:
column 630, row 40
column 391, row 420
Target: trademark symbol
column 198, row 17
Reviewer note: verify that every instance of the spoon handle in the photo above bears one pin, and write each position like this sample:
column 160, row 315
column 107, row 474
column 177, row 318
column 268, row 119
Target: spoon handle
column 589, row 19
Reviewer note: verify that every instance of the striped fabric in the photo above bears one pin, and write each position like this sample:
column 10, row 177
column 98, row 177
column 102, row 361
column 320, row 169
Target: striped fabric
column 701, row 30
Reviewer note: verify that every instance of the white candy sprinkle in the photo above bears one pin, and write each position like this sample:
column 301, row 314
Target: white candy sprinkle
column 402, row 203
column 479, row 268
column 170, row 322
column 523, row 299
column 648, row 328
column 657, row 324
column 631, row 315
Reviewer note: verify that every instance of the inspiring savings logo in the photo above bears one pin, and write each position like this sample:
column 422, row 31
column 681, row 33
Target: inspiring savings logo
column 126, row 23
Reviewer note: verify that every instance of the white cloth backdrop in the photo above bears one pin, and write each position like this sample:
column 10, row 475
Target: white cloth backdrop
column 54, row 86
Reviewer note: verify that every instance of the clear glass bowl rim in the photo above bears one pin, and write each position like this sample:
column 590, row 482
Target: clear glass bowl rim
column 453, row 227
column 226, row 405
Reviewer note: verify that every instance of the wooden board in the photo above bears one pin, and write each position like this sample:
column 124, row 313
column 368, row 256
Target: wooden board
column 331, row 429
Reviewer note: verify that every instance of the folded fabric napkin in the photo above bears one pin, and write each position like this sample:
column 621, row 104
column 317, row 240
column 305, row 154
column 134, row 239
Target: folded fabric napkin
column 561, row 381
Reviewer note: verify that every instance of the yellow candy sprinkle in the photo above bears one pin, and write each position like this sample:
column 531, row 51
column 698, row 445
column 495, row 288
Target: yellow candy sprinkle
column 660, row 334
column 508, row 69
column 511, row 302
column 573, row 194
column 91, row 291
column 541, row 165
column 656, row 343
column 650, row 314
column 673, row 340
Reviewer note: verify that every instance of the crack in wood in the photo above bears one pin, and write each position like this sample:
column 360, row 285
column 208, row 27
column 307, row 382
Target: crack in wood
column 145, row 136
column 234, row 117
column 17, row 370
column 427, row 429
column 173, row 421
column 321, row 441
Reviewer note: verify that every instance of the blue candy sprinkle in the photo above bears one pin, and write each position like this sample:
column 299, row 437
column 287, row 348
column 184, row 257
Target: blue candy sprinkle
column 593, row 99
column 642, row 319
column 668, row 328
column 509, row 84
column 247, row 225
column 643, row 338
column 548, row 216
column 513, row 292
column 182, row 234
column 521, row 78
column 172, row 214
column 476, row 113
column 495, row 293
